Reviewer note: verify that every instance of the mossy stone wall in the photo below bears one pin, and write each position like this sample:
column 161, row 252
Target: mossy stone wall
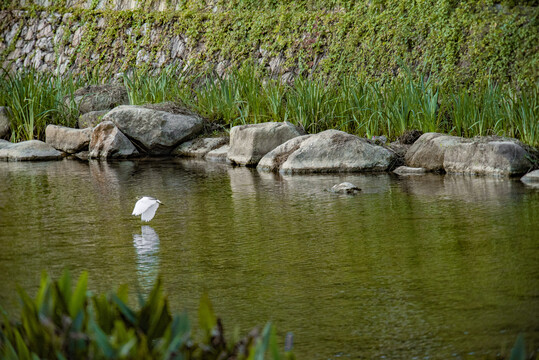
column 456, row 42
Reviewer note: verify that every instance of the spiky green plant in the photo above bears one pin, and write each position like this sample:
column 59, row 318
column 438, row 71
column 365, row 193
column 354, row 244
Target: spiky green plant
column 36, row 100
column 66, row 323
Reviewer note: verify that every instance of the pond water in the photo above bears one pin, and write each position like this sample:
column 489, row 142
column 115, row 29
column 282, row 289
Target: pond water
column 420, row 266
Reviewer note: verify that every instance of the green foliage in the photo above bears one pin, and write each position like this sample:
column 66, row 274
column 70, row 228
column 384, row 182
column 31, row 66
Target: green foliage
column 354, row 104
column 36, row 100
column 61, row 323
column 458, row 43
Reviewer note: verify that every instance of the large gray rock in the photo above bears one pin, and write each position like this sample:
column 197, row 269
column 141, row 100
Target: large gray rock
column 273, row 160
column 531, row 178
column 156, row 132
column 198, row 148
column 480, row 156
column 249, row 143
column 108, row 142
column 32, row 150
column 4, row 144
column 99, row 97
column 67, row 139
column 337, row 151
column 5, row 127
column 486, row 157
column 429, row 151
column 91, row 119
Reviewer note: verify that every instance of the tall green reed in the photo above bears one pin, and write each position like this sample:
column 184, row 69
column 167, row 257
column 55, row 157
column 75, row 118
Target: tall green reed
column 355, row 104
column 36, row 100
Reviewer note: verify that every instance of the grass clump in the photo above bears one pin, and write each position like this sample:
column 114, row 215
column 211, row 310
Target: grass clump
column 352, row 103
column 63, row 322
column 36, row 100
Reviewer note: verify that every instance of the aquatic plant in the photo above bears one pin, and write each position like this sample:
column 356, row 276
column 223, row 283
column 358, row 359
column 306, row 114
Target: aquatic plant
column 244, row 96
column 63, row 322
column 36, row 100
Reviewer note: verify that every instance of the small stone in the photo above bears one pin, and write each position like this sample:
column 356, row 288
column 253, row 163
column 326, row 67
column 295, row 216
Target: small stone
column 345, row 188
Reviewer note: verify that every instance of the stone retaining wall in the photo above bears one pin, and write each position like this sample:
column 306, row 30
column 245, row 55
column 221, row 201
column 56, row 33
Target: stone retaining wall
column 77, row 43
column 462, row 46
column 65, row 42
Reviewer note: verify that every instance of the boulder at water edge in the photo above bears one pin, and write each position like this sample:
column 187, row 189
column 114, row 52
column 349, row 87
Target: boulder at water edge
column 109, row 142
column 218, row 155
column 485, row 156
column 5, row 127
column 155, row 132
column 336, row 151
column 67, row 139
column 273, row 160
column 91, row 119
column 429, row 150
column 249, row 143
column 198, row 148
column 99, row 97
column 32, row 150
column 480, row 156
column 531, row 178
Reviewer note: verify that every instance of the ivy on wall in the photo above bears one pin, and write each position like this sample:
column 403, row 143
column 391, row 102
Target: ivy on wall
column 459, row 43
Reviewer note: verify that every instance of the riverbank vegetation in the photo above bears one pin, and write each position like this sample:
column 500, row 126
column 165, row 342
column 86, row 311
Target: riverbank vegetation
column 353, row 104
column 65, row 322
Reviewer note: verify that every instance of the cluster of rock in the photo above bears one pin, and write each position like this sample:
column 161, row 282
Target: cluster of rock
column 117, row 130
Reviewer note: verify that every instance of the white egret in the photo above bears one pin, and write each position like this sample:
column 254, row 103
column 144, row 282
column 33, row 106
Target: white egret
column 146, row 207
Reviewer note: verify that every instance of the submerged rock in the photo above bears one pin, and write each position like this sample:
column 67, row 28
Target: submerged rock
column 67, row 139
column 198, row 148
column 32, row 150
column 345, row 188
column 108, row 142
column 337, row 151
column 99, row 97
column 5, row 124
column 155, row 132
column 479, row 156
column 249, row 143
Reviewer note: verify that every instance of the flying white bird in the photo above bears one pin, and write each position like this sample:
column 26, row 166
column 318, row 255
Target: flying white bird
column 146, row 207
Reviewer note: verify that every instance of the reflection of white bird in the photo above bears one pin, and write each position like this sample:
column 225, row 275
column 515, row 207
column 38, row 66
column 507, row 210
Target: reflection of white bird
column 146, row 207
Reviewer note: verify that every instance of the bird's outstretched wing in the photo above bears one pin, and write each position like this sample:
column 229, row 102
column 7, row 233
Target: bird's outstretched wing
column 143, row 204
column 150, row 212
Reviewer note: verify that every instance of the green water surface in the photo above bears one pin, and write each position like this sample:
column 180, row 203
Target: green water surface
column 413, row 267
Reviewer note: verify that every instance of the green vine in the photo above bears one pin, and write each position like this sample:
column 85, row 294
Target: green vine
column 458, row 43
